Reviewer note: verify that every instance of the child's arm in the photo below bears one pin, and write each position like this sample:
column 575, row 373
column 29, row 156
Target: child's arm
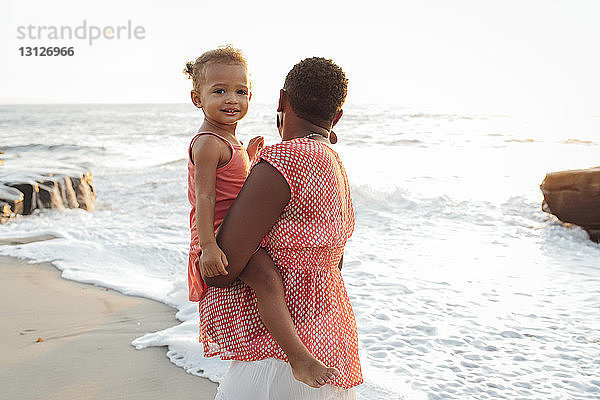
column 254, row 146
column 206, row 155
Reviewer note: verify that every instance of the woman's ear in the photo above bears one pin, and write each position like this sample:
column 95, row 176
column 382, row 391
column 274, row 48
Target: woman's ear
column 337, row 117
column 281, row 100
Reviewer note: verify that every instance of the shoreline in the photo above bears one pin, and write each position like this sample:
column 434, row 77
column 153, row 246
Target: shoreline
column 86, row 332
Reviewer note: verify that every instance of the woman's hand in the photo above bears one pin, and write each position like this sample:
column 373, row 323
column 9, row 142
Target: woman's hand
column 212, row 261
column 254, row 146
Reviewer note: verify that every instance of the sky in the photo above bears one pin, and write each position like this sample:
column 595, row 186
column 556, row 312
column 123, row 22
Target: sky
column 480, row 56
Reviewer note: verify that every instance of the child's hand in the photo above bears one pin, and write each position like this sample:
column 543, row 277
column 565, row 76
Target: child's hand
column 254, row 146
column 213, row 261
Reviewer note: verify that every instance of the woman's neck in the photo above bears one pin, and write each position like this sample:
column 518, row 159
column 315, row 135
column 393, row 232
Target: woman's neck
column 294, row 128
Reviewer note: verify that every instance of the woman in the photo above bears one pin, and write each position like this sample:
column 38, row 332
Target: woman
column 297, row 198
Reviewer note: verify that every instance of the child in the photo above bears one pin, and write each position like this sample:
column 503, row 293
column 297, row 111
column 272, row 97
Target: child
column 217, row 168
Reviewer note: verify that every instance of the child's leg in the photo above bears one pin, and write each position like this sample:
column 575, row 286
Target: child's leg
column 262, row 275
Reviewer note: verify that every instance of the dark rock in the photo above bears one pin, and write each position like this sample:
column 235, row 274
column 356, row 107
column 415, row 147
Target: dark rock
column 13, row 198
column 30, row 194
column 24, row 190
column 49, row 195
column 574, row 197
column 84, row 192
column 594, row 234
column 69, row 195
column 5, row 212
column 65, row 191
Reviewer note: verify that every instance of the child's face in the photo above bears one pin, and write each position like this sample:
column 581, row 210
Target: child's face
column 225, row 93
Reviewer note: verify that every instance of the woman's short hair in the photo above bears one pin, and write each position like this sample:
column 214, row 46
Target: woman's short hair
column 195, row 70
column 317, row 88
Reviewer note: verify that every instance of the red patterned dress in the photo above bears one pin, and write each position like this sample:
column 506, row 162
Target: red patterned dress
column 306, row 243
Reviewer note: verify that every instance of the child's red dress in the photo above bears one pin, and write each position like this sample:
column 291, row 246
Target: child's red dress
column 229, row 181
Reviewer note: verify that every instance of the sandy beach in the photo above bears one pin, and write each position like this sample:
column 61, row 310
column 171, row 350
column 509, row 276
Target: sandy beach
column 65, row 340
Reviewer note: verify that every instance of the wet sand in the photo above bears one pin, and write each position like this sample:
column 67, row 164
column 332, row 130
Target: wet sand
column 84, row 348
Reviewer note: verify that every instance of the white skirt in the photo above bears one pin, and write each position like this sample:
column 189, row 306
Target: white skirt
column 272, row 379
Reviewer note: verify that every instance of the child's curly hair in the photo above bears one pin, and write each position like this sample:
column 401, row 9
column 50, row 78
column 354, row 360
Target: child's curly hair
column 317, row 89
column 223, row 54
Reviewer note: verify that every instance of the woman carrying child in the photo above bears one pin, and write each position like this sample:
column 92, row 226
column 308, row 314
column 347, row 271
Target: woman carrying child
column 295, row 207
column 218, row 165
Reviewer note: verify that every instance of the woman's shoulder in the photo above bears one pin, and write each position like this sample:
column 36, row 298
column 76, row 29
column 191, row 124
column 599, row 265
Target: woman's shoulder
column 296, row 148
column 298, row 156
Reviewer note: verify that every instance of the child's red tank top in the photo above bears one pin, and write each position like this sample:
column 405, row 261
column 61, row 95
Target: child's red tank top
column 229, row 181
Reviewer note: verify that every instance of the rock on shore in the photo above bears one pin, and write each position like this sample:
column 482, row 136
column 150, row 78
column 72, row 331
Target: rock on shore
column 574, row 197
column 24, row 189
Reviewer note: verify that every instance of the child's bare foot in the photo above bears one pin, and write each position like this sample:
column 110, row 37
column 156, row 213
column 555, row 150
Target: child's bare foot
column 313, row 372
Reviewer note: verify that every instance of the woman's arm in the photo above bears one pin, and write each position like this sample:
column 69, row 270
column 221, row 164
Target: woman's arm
column 259, row 204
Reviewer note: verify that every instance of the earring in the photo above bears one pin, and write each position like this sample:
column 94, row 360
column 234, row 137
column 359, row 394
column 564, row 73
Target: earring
column 279, row 119
column 332, row 137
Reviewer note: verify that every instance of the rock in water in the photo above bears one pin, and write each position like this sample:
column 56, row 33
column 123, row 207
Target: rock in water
column 30, row 193
column 84, row 191
column 68, row 193
column 25, row 192
column 28, row 184
column 11, row 202
column 49, row 195
column 574, row 197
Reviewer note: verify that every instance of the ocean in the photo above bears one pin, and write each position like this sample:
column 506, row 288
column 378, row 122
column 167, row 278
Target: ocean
column 462, row 287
